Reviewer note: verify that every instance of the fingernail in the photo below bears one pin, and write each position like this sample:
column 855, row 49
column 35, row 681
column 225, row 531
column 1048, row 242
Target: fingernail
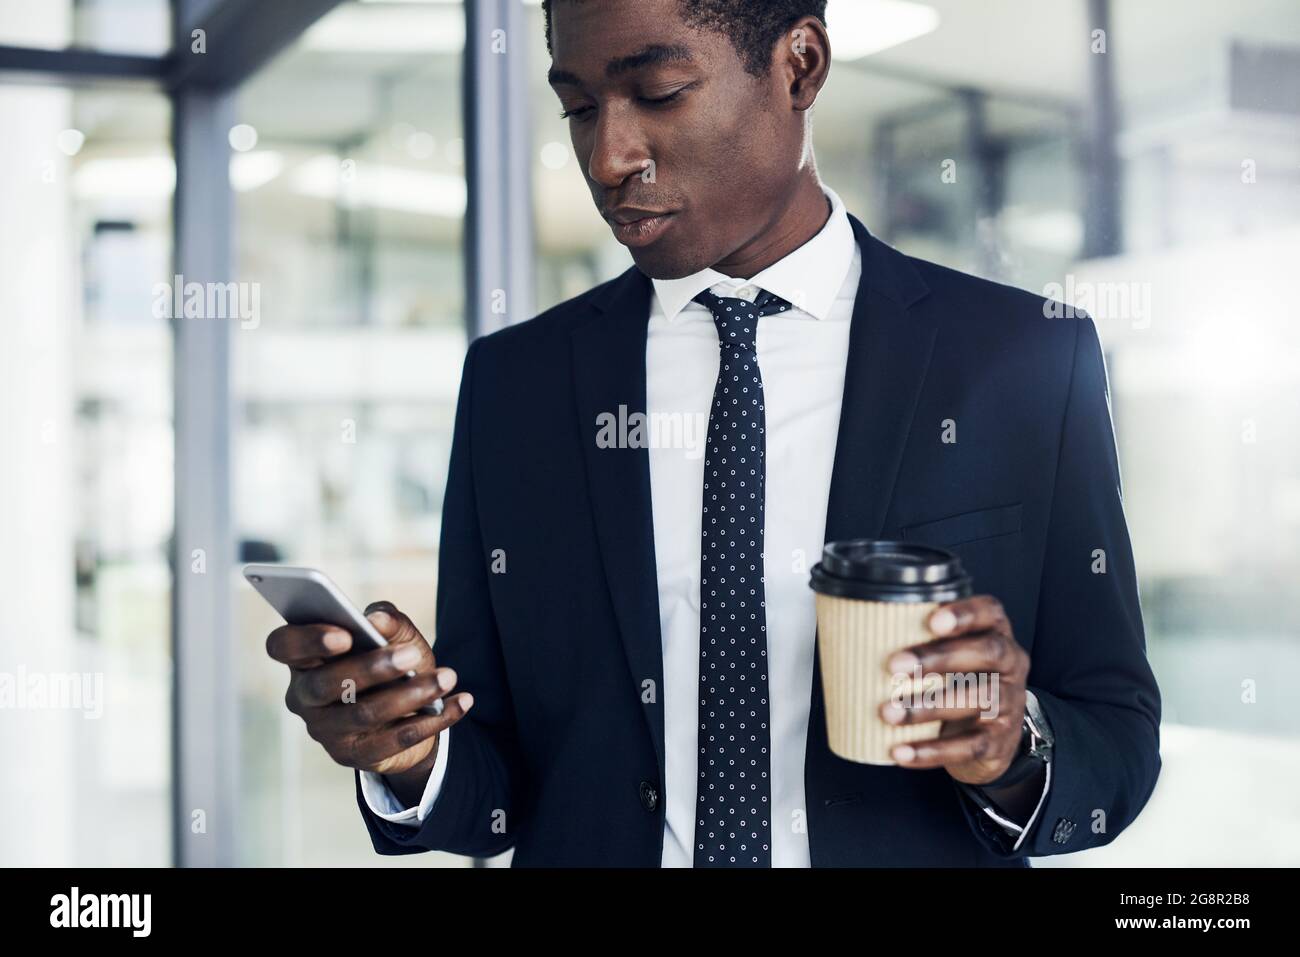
column 904, row 752
column 446, row 679
column 337, row 640
column 893, row 713
column 407, row 656
column 943, row 621
column 466, row 702
column 380, row 619
column 904, row 661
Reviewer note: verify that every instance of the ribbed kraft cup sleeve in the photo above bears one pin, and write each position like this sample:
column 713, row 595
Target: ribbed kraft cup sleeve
column 856, row 639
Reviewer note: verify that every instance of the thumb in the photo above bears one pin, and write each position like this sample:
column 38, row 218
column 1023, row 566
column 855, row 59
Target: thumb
column 392, row 623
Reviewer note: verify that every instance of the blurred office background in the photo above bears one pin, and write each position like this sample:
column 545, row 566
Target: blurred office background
column 377, row 170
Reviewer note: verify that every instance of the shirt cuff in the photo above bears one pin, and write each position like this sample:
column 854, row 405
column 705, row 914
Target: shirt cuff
column 1011, row 827
column 383, row 803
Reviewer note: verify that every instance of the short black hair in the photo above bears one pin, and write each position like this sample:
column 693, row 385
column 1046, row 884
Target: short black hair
column 752, row 26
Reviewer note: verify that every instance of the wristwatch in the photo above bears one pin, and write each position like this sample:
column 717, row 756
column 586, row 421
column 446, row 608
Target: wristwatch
column 1036, row 743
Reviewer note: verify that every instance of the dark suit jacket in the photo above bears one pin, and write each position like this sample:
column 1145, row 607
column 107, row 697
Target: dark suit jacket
column 562, row 757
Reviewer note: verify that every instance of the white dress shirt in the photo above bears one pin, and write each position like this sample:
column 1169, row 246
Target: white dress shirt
column 802, row 355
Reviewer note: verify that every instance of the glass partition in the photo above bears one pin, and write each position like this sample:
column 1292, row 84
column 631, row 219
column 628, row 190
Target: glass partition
column 85, row 401
column 350, row 200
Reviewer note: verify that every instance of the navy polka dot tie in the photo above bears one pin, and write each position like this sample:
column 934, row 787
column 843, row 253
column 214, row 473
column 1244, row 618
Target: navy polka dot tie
column 733, row 803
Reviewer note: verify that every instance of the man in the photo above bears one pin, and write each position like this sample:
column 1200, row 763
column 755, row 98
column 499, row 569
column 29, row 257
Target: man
column 892, row 398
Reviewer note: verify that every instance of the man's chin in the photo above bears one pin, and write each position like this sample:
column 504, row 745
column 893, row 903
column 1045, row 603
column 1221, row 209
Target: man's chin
column 665, row 263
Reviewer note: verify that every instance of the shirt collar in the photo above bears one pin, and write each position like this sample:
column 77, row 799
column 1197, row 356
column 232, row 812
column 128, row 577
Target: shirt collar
column 810, row 278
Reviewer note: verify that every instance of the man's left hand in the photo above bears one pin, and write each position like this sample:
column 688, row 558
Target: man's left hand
column 972, row 636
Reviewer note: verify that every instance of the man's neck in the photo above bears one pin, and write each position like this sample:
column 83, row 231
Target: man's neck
column 799, row 221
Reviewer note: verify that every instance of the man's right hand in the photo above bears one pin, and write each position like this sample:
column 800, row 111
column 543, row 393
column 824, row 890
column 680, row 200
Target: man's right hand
column 362, row 708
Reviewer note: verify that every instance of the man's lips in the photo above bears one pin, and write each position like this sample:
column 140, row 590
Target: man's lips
column 633, row 226
column 626, row 215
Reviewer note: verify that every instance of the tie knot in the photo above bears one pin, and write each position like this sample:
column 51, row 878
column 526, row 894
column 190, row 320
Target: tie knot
column 737, row 319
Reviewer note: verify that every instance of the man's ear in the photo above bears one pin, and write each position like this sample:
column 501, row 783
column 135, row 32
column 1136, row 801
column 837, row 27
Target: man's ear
column 803, row 60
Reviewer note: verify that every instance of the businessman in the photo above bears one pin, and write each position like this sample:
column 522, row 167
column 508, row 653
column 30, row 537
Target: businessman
column 577, row 605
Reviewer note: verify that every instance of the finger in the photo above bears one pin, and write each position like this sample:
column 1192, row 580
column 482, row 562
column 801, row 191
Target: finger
column 392, row 623
column 325, row 685
column 377, row 710
column 957, row 718
column 980, row 613
column 301, row 645
column 901, row 714
column 371, row 749
column 988, row 651
column 978, row 745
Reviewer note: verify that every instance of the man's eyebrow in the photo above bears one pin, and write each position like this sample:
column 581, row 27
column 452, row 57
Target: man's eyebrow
column 647, row 56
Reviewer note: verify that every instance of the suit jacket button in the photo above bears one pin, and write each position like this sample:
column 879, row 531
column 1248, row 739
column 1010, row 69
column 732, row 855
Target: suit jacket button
column 649, row 796
column 1064, row 828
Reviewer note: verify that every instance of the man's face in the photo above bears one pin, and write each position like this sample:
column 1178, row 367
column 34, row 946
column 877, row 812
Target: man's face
column 687, row 156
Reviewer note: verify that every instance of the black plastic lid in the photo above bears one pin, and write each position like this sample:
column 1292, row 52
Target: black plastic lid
column 890, row 571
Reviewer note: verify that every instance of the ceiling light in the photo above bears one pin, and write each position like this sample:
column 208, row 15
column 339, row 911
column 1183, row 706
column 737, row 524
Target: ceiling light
column 859, row 28
column 248, row 171
column 398, row 28
column 381, row 186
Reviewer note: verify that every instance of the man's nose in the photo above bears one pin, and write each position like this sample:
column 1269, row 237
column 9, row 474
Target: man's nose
column 618, row 150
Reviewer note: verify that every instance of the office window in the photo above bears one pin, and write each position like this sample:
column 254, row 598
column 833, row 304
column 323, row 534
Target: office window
column 85, row 401
column 350, row 197
column 112, row 26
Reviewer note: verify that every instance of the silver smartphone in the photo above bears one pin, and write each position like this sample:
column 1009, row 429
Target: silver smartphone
column 306, row 596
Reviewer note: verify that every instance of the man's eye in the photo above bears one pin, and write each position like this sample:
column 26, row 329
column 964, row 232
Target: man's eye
column 660, row 100
column 580, row 111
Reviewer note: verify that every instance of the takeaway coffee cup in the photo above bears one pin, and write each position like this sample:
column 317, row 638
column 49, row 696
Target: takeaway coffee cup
column 873, row 598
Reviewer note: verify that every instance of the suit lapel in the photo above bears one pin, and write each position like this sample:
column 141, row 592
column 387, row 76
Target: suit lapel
column 609, row 370
column 889, row 353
